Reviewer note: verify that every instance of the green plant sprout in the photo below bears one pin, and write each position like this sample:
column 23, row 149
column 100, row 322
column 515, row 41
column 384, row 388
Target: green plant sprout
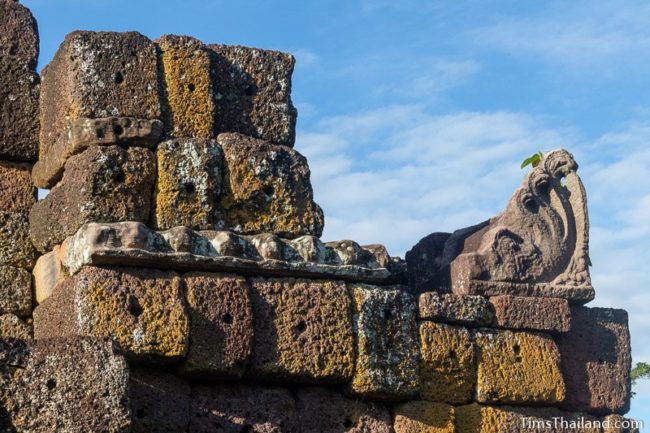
column 533, row 160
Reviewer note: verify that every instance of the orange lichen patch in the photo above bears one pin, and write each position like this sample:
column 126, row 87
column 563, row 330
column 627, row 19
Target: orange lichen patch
column 424, row 417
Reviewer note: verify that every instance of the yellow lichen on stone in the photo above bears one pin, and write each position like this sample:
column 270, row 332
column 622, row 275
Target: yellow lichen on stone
column 475, row 418
column 424, row 417
column 518, row 367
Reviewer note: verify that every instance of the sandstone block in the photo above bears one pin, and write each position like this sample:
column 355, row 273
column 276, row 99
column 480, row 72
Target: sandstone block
column 189, row 103
column 102, row 184
column 12, row 327
column 143, row 310
column 266, row 189
column 16, row 249
column 424, row 417
column 98, row 74
column 427, row 262
column 388, row 356
column 15, row 291
column 253, row 93
column 48, row 272
column 596, row 361
column 18, row 34
column 189, row 183
column 242, row 408
column 322, row 410
column 467, row 310
column 519, row 368
column 302, row 330
column 17, row 194
column 448, row 368
column 221, row 325
column 535, row 314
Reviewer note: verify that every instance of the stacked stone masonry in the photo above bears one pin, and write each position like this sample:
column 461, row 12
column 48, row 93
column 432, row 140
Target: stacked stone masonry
column 174, row 280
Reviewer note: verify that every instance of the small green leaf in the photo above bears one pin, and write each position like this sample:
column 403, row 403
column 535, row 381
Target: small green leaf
column 533, row 160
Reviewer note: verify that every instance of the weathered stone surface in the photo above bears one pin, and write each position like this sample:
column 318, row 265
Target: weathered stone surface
column 322, row 410
column 424, row 417
column 16, row 249
column 17, row 194
column 458, row 309
column 253, row 93
column 98, row 74
column 518, row 368
column 302, row 330
column 535, row 314
column 18, row 35
column 221, row 325
column 102, row 184
column 242, row 408
column 426, row 264
column 388, row 356
column 47, row 273
column 448, row 369
column 189, row 103
column 266, row 189
column 12, row 327
column 189, row 183
column 143, row 310
column 596, row 361
column 83, row 133
column 15, row 291
column 160, row 402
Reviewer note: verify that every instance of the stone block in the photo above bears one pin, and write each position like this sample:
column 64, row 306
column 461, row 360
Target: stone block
column 16, row 248
column 15, row 291
column 596, row 361
column 12, row 327
column 47, row 273
column 518, row 368
column 466, row 310
column 253, row 93
column 17, row 194
column 221, row 325
column 267, row 189
column 428, row 268
column 323, row 410
column 534, row 314
column 424, row 417
column 18, row 34
column 143, row 310
column 188, row 103
column 242, row 408
column 448, row 369
column 189, row 183
column 302, row 330
column 102, row 184
column 388, row 355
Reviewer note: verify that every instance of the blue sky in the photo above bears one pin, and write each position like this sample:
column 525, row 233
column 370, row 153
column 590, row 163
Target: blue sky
column 415, row 115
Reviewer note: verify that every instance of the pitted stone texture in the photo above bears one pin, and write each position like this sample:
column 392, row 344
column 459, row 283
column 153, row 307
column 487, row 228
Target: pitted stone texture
column 16, row 249
column 267, row 188
column 424, row 417
column 302, row 330
column 143, row 310
column 98, row 74
column 518, row 368
column 253, row 93
column 242, row 408
column 448, row 369
column 221, row 325
column 322, row 410
column 102, row 184
column 535, row 314
column 15, row 291
column 596, row 361
column 160, row 402
column 19, row 34
column 17, row 194
column 47, row 273
column 189, row 104
column 463, row 310
column 388, row 355
column 188, row 185
column 12, row 327
column 83, row 133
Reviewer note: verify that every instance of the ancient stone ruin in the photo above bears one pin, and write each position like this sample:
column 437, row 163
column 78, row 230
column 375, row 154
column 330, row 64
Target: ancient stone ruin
column 174, row 280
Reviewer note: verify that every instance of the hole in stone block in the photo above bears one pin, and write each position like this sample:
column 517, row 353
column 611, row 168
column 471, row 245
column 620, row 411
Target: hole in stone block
column 189, row 188
column 134, row 308
column 246, row 429
column 191, row 87
column 99, row 132
column 452, row 353
column 119, row 177
column 139, row 413
column 50, row 384
column 226, row 318
column 388, row 314
column 118, row 78
column 517, row 351
column 268, row 190
column 118, row 130
column 251, row 90
column 348, row 423
column 301, row 326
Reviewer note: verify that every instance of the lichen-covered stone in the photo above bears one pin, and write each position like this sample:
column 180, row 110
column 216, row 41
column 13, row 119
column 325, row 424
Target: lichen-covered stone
column 11, row 326
column 102, row 184
column 266, row 189
column 221, row 325
column 388, row 355
column 596, row 361
column 16, row 248
column 535, row 314
column 242, row 408
column 253, row 93
column 448, row 369
column 98, row 74
column 424, row 417
column 456, row 309
column 323, row 410
column 17, row 194
column 302, row 330
column 518, row 368
column 15, row 291
column 189, row 104
column 143, row 310
column 189, row 183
